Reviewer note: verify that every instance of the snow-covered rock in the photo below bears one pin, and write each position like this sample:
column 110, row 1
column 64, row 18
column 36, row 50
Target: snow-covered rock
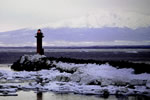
column 148, row 84
column 32, row 58
column 138, row 82
column 31, row 63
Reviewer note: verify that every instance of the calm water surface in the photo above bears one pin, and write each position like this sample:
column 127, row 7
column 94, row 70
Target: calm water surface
column 138, row 55
column 30, row 95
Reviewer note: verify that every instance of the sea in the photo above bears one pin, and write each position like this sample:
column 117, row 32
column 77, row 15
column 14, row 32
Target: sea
column 137, row 54
column 8, row 55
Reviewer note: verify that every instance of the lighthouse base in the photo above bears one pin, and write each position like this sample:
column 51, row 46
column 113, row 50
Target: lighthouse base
column 40, row 52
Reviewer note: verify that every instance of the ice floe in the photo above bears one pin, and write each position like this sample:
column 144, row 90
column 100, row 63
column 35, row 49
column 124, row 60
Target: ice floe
column 77, row 78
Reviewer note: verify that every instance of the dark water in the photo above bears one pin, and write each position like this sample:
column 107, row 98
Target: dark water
column 140, row 55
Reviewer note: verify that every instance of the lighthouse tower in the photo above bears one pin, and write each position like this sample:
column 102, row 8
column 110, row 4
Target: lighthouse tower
column 39, row 37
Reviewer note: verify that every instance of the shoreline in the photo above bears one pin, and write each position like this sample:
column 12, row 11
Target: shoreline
column 63, row 76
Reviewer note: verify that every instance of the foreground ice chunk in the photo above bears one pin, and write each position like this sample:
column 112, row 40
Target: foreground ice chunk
column 82, row 79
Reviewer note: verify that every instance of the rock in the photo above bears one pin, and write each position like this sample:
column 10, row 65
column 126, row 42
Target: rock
column 122, row 91
column 48, row 62
column 85, row 78
column 137, row 82
column 3, row 80
column 9, row 90
column 120, row 83
column 94, row 82
column 62, row 78
column 32, row 58
column 1, row 74
column 106, row 82
column 75, row 77
column 148, row 84
column 105, row 93
column 131, row 86
column 8, row 94
column 32, row 63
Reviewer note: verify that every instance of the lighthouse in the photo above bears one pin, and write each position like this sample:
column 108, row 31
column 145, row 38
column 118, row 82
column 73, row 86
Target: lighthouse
column 39, row 37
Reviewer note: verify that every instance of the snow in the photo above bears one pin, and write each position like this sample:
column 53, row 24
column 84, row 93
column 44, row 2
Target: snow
column 32, row 58
column 100, row 18
column 77, row 78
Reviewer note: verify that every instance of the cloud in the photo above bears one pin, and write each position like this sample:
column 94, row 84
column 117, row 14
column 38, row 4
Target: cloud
column 99, row 19
column 27, row 13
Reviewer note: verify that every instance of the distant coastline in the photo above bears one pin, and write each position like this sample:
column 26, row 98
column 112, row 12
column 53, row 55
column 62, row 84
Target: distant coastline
column 85, row 47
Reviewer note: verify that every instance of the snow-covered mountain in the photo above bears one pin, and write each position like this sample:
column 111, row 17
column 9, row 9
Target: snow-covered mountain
column 100, row 19
column 78, row 36
column 99, row 28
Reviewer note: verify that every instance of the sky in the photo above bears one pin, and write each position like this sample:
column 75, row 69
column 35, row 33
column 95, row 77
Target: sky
column 15, row 14
column 125, row 16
